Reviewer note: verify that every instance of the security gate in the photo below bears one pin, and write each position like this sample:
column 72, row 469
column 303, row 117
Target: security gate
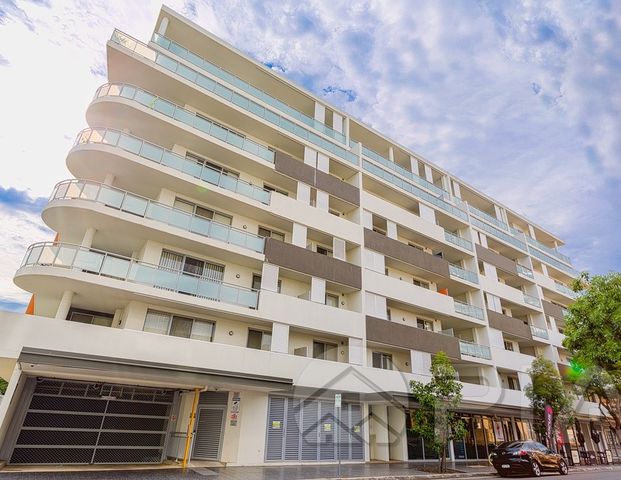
column 209, row 430
column 76, row 422
column 305, row 430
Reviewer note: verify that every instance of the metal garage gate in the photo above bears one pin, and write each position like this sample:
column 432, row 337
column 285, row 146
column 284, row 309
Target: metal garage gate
column 305, row 430
column 83, row 422
column 209, row 430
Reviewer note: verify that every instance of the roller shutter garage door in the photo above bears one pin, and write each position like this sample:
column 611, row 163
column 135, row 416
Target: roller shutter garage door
column 74, row 422
column 305, row 430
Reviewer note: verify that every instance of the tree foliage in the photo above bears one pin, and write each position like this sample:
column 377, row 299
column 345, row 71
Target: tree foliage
column 3, row 385
column 435, row 420
column 547, row 388
column 593, row 336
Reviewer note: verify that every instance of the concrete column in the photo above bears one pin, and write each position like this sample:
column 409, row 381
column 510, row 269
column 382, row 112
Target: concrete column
column 320, row 112
column 280, row 338
column 355, row 351
column 269, row 277
column 428, row 173
column 346, row 131
column 456, row 189
column 298, row 236
column 323, row 163
column 310, row 157
column 446, row 183
column 166, row 196
column 337, row 122
column 318, row 290
column 420, row 362
column 391, row 229
column 163, row 26
column 87, row 239
column 118, row 318
column 427, row 213
column 65, row 305
column 391, row 154
column 378, row 433
column 490, row 271
column 483, row 239
column 367, row 219
column 397, row 434
column 544, row 269
column 338, row 248
column 323, row 201
column 109, row 179
column 303, row 193
column 531, row 232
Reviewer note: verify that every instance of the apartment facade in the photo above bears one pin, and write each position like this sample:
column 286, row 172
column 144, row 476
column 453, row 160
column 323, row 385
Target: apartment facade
column 233, row 252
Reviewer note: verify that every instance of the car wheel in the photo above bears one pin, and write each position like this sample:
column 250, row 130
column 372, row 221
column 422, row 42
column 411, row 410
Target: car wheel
column 535, row 468
column 562, row 467
column 502, row 474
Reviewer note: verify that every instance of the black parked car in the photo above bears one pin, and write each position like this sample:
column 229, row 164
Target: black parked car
column 526, row 457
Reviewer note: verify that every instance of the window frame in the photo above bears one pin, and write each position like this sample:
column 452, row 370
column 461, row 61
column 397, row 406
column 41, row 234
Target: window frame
column 171, row 317
column 325, row 345
column 263, row 333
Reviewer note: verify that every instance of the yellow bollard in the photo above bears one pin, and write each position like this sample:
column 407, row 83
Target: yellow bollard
column 188, row 439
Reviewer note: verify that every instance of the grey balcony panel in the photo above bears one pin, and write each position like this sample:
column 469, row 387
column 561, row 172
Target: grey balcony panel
column 552, row 309
column 510, row 325
column 312, row 263
column 404, row 336
column 499, row 261
column 400, row 251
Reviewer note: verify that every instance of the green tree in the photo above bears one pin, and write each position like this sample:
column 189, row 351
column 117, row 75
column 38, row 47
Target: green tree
column 547, row 388
column 3, row 385
column 435, row 419
column 593, row 336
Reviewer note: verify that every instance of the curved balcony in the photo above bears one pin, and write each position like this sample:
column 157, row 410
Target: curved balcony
column 187, row 117
column 124, row 269
column 167, row 158
column 142, row 207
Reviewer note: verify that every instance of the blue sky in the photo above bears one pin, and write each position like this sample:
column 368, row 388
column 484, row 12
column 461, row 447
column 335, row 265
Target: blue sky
column 519, row 99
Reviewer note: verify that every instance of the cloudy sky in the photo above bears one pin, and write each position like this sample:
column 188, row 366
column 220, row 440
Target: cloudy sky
column 520, row 99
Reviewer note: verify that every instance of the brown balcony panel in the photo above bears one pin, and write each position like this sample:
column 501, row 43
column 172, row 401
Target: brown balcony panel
column 293, row 168
column 404, row 336
column 552, row 309
column 510, row 325
column 400, row 251
column 499, row 261
column 563, row 370
column 306, row 261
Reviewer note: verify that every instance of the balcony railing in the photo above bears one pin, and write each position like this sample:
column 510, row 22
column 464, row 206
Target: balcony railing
column 525, row 271
column 498, row 233
column 229, row 95
column 532, row 300
column 187, row 117
column 469, row 310
column 234, row 80
column 414, row 190
column 457, row 240
column 550, row 251
column 161, row 156
column 460, row 272
column 126, row 269
column 146, row 208
column 487, row 217
column 539, row 332
column 565, row 290
column 475, row 350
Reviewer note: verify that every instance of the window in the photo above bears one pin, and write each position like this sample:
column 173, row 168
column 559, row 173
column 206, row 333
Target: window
column 193, row 266
column 269, row 233
column 90, row 317
column 270, row 188
column 325, row 351
column 178, row 326
column 212, row 166
column 424, row 324
column 259, row 340
column 256, row 283
column 332, row 300
column 420, row 283
column 204, row 117
column 508, row 345
column 202, row 212
column 514, row 383
column 382, row 360
column 481, row 267
column 324, row 251
column 388, row 314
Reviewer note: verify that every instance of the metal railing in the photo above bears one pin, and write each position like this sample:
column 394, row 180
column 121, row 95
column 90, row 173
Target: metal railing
column 143, row 207
column 229, row 95
column 565, row 290
column 462, row 273
column 122, row 268
column 549, row 250
column 475, row 350
column 161, row 156
column 531, row 300
column 539, row 332
column 186, row 117
column 469, row 310
column 457, row 240
column 525, row 271
column 202, row 63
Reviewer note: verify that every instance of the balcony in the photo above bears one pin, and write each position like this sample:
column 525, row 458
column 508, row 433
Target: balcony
column 505, row 237
column 469, row 310
column 565, row 290
column 105, row 264
column 499, row 261
column 227, row 94
column 552, row 261
column 539, row 332
column 457, row 271
column 550, row 251
column 456, row 240
column 187, row 117
column 167, row 158
column 487, row 217
column 475, row 350
column 124, row 201
column 532, row 300
column 510, row 325
column 524, row 271
column 553, row 309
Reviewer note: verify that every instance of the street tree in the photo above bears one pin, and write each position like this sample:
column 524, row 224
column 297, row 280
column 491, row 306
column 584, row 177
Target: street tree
column 547, row 388
column 593, row 337
column 435, row 419
column 3, row 385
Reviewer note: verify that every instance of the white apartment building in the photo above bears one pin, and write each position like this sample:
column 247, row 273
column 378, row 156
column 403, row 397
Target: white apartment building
column 232, row 245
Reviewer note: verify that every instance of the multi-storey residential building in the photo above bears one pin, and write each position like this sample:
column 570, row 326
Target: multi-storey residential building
column 233, row 246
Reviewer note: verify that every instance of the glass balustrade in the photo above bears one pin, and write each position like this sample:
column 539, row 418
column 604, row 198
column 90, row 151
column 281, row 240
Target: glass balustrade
column 539, row 332
column 414, row 190
column 532, row 300
column 457, row 240
column 114, row 266
column 525, row 271
column 469, row 310
column 475, row 350
column 186, row 117
column 146, row 208
column 498, row 233
column 161, row 156
column 459, row 272
column 487, row 217
column 548, row 250
column 229, row 95
column 565, row 290
column 552, row 261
